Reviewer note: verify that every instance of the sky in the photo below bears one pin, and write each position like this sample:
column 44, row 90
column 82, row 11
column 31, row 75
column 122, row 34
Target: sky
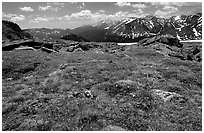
column 74, row 14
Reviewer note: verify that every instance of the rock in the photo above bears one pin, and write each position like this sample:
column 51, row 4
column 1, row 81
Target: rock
column 78, row 50
column 63, row 66
column 112, row 128
column 77, row 95
column 55, row 73
column 84, row 46
column 89, row 94
column 164, row 95
column 127, row 82
column 70, row 49
column 26, row 48
column 47, row 50
column 166, row 39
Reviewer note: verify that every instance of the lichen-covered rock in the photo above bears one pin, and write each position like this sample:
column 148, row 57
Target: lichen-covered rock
column 164, row 95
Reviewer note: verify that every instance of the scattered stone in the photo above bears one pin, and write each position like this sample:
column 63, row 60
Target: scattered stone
column 166, row 96
column 113, row 128
column 55, row 73
column 89, row 94
column 9, row 79
column 70, row 49
column 127, row 82
column 77, row 94
column 63, row 66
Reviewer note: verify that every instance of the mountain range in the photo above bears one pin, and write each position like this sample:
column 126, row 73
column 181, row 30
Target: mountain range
column 184, row 27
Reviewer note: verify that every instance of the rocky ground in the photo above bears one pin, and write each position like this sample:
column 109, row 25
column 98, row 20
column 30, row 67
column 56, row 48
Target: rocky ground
column 155, row 85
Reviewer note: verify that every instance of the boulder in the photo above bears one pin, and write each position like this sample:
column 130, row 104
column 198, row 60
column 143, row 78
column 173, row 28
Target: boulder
column 165, row 95
column 112, row 128
column 70, row 49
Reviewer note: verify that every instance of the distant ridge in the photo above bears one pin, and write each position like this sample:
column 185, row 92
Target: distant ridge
column 184, row 27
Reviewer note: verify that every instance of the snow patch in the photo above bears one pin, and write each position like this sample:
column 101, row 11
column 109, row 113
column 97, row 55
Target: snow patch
column 107, row 28
column 191, row 41
column 132, row 43
column 195, row 32
column 177, row 18
column 178, row 36
column 129, row 21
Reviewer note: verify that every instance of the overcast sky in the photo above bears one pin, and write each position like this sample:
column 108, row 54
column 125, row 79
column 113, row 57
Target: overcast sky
column 71, row 15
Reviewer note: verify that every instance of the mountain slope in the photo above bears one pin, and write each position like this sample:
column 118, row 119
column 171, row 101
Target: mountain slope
column 184, row 27
column 74, row 38
column 11, row 32
column 45, row 33
column 91, row 33
column 54, row 34
column 134, row 29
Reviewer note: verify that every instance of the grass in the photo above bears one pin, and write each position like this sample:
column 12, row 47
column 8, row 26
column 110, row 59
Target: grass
column 95, row 90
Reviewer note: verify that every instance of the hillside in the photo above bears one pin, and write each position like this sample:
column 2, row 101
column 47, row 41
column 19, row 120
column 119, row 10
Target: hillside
column 155, row 85
column 46, row 34
column 11, row 32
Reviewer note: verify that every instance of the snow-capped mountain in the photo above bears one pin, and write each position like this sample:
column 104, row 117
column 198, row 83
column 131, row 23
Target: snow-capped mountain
column 183, row 27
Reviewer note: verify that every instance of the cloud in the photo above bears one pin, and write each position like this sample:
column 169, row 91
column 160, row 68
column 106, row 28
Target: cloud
column 18, row 18
column 128, row 4
column 41, row 19
column 166, row 11
column 56, row 4
column 59, row 18
column 101, row 11
column 178, row 4
column 88, row 15
column 123, row 15
column 48, row 7
column 138, row 11
column 13, row 17
column 100, row 15
column 82, row 14
column 26, row 9
column 122, row 4
column 44, row 8
column 7, row 15
column 140, row 6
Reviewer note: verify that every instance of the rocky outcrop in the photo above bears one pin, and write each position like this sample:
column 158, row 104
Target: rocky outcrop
column 29, row 45
column 166, row 39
